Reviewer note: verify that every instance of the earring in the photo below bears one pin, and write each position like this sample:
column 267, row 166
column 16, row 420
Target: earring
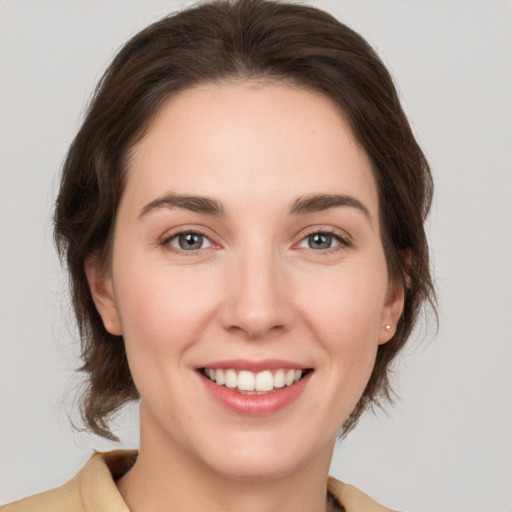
column 387, row 327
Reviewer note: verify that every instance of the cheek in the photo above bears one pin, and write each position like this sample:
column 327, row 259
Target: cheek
column 345, row 317
column 348, row 302
column 162, row 315
column 346, row 320
column 161, row 311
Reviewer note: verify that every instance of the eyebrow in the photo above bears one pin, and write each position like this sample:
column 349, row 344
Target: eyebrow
column 208, row 206
column 320, row 202
column 199, row 204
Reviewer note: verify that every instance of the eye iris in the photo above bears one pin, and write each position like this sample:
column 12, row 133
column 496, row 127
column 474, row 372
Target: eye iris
column 320, row 241
column 189, row 241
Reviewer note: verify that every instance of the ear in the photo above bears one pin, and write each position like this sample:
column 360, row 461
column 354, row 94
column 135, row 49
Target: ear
column 391, row 311
column 100, row 284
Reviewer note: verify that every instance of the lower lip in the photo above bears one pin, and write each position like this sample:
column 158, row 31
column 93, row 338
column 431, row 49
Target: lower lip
column 256, row 405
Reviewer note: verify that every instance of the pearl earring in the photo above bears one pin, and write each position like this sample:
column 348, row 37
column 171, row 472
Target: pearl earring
column 387, row 327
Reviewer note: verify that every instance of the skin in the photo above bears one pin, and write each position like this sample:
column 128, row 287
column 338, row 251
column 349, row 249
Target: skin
column 257, row 289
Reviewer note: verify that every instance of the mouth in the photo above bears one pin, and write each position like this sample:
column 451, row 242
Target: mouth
column 248, row 382
column 255, row 387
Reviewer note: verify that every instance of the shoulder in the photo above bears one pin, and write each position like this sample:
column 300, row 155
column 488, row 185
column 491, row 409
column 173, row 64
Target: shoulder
column 352, row 499
column 60, row 499
column 92, row 489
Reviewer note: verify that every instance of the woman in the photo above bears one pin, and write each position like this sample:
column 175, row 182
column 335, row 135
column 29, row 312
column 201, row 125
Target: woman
column 242, row 216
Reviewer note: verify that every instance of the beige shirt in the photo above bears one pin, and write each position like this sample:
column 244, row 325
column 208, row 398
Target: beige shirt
column 93, row 489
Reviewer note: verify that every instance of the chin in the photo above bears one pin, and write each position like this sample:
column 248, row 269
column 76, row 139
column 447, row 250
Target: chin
column 263, row 455
column 258, row 467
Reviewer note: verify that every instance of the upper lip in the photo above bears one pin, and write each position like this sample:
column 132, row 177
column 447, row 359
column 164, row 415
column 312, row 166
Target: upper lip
column 255, row 366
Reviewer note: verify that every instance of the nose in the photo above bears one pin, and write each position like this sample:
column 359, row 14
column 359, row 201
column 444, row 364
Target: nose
column 256, row 302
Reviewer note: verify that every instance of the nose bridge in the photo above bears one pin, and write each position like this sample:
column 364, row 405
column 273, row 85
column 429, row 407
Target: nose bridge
column 256, row 299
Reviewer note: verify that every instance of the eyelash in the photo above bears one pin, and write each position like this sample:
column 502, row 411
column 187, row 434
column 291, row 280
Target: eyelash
column 342, row 241
column 166, row 242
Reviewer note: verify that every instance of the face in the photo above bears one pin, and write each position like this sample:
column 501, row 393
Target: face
column 247, row 255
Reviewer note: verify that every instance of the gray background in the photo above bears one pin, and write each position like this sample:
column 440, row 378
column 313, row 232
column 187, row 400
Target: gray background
column 447, row 445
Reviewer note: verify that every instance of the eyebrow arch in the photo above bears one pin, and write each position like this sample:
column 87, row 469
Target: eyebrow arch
column 199, row 204
column 319, row 202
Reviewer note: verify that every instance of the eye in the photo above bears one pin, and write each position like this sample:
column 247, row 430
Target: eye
column 320, row 241
column 189, row 241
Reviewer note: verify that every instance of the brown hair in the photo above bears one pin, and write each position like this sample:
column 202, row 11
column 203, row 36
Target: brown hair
column 222, row 41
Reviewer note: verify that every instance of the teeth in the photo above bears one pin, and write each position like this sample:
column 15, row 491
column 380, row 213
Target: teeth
column 289, row 377
column 279, row 379
column 264, row 381
column 219, row 377
column 253, row 383
column 246, row 381
column 230, row 379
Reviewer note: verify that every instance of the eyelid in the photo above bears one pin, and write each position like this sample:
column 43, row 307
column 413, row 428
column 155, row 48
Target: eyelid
column 204, row 239
column 164, row 240
column 345, row 240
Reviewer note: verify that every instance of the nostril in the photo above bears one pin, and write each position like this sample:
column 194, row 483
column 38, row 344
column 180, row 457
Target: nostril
column 256, row 327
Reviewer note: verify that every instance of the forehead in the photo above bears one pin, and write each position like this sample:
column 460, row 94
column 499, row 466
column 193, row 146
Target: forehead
column 244, row 141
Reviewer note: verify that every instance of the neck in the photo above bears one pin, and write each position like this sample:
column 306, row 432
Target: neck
column 166, row 474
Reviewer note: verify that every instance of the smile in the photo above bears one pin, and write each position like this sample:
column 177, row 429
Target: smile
column 254, row 383
column 255, row 388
